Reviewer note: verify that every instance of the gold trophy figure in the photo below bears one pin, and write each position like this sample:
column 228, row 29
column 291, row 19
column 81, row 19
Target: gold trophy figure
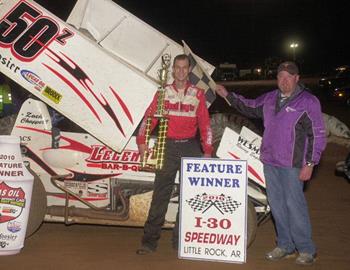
column 155, row 160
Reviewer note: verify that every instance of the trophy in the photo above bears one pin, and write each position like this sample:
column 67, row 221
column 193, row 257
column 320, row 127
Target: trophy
column 155, row 160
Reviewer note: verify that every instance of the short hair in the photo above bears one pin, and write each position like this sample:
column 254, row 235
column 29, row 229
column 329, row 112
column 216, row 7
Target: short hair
column 182, row 57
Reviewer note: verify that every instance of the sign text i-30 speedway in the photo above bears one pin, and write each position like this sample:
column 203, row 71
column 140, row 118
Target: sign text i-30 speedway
column 213, row 210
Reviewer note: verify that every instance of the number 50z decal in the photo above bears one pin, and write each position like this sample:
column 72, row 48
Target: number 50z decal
column 28, row 32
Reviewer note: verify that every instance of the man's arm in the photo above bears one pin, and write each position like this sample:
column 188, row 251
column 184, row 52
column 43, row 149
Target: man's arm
column 316, row 132
column 142, row 149
column 252, row 108
column 316, row 138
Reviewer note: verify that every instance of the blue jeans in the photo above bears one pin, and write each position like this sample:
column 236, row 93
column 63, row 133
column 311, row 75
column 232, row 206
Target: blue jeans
column 289, row 209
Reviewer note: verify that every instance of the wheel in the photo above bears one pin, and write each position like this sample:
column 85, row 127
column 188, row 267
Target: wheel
column 37, row 207
column 220, row 121
column 251, row 223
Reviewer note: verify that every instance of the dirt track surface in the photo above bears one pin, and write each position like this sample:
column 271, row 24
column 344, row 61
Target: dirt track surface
column 56, row 246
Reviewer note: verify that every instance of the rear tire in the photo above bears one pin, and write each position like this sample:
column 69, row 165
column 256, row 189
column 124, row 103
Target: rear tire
column 220, row 121
column 251, row 223
column 37, row 207
column 235, row 122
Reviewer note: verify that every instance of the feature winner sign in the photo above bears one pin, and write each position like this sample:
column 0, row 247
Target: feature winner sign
column 213, row 210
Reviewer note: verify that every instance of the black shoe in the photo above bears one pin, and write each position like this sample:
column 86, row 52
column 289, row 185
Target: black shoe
column 144, row 250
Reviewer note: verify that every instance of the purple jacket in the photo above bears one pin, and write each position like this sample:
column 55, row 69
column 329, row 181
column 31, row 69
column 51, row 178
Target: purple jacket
column 294, row 132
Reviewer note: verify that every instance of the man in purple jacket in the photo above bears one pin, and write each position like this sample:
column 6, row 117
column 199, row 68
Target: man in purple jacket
column 293, row 140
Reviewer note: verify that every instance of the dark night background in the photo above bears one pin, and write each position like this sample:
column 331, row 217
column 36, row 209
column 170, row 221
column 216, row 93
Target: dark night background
column 246, row 32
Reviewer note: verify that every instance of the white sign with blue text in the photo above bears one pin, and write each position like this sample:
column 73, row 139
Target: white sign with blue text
column 213, row 207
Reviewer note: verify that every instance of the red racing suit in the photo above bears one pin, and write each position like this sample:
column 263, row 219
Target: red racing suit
column 186, row 114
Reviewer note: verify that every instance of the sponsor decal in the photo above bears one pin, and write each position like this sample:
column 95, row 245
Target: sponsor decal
column 178, row 106
column 32, row 119
column 3, row 244
column 7, row 237
column 98, row 190
column 32, row 78
column 100, row 153
column 290, row 109
column 7, row 62
column 25, row 139
column 52, row 95
column 8, row 210
column 105, row 158
column 90, row 191
column 14, row 226
column 12, row 200
column 249, row 146
column 76, row 187
column 116, row 166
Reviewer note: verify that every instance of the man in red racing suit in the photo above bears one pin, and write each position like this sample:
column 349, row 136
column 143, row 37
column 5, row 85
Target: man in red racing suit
column 187, row 112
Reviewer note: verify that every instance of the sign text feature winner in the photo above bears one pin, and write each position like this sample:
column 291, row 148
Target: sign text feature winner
column 213, row 210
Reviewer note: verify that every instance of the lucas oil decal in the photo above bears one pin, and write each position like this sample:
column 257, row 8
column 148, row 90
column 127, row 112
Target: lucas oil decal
column 12, row 202
column 32, row 78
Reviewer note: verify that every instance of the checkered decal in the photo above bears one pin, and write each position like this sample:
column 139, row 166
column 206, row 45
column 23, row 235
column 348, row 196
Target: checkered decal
column 198, row 203
column 227, row 206
column 203, row 202
column 199, row 77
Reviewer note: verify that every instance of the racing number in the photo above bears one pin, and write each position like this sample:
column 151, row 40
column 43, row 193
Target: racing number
column 26, row 40
column 43, row 30
column 14, row 24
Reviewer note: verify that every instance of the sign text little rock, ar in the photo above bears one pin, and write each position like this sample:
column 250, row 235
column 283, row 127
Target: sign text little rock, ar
column 213, row 210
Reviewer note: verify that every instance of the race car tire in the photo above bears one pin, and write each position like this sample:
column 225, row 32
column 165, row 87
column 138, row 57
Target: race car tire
column 37, row 207
column 219, row 121
column 251, row 223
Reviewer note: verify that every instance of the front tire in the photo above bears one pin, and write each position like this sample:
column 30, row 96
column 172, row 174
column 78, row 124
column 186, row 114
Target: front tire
column 37, row 207
column 219, row 121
